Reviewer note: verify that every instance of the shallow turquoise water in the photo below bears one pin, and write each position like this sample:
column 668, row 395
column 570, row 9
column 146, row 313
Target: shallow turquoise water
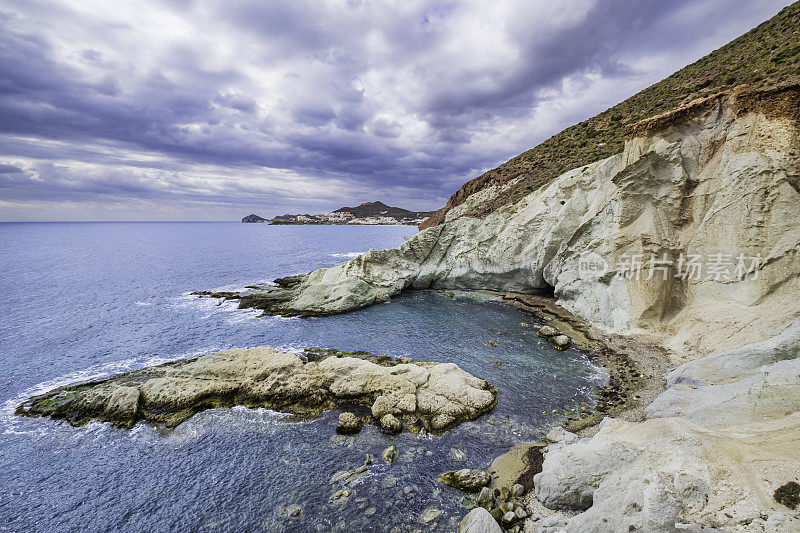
column 88, row 300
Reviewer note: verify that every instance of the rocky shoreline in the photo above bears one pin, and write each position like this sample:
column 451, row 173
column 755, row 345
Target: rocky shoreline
column 395, row 394
column 635, row 365
column 716, row 444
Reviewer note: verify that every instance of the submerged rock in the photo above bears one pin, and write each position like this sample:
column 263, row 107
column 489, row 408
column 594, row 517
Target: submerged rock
column 341, row 497
column 465, row 479
column 294, row 512
column 390, row 454
column 440, row 395
column 429, row 515
column 348, row 477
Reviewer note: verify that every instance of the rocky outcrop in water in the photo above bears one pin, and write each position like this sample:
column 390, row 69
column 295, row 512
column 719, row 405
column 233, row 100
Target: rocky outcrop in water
column 436, row 395
column 465, row 479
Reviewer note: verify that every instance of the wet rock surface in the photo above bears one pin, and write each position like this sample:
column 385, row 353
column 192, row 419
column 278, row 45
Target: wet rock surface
column 465, row 479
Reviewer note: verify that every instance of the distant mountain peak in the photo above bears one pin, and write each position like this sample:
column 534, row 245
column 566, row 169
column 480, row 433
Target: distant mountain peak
column 252, row 218
column 371, row 209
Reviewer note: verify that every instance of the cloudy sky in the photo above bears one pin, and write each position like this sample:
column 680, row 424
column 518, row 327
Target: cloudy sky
column 210, row 110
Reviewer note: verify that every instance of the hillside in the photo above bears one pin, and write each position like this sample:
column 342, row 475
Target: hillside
column 375, row 209
column 767, row 56
column 253, row 219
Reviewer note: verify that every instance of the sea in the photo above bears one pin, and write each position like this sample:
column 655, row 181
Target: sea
column 84, row 301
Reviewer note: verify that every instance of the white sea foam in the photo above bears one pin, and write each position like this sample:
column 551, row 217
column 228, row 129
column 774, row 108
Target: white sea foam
column 348, row 255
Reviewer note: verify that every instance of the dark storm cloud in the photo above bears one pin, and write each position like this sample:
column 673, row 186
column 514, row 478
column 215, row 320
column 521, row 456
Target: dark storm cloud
column 171, row 100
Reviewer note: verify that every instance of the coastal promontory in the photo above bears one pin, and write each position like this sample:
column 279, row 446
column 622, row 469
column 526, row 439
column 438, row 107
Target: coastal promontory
column 429, row 396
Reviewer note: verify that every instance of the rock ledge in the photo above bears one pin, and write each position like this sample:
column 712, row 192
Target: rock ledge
column 435, row 396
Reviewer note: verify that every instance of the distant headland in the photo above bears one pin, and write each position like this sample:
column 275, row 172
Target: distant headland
column 368, row 213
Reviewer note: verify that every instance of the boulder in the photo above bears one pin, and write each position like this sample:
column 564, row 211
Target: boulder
column 390, row 424
column 348, row 423
column 548, row 331
column 479, row 520
column 485, row 496
column 560, row 342
column 466, row 480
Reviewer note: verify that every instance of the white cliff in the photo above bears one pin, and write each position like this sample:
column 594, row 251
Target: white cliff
column 718, row 180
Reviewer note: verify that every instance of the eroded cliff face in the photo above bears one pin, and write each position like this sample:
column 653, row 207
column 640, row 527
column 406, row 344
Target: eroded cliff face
column 715, row 447
column 714, row 182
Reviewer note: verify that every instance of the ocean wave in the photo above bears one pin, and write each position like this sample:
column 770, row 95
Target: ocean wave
column 348, row 255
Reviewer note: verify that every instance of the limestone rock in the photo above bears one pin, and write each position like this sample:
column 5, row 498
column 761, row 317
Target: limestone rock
column 559, row 434
column 655, row 474
column 390, row 454
column 465, row 479
column 754, row 383
column 390, row 424
column 348, row 423
column 479, row 520
column 561, row 342
column 440, row 395
column 429, row 515
column 547, row 331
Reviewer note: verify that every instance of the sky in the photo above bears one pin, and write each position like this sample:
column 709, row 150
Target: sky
column 211, row 110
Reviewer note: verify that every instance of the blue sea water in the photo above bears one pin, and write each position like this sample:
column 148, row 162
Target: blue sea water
column 86, row 300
